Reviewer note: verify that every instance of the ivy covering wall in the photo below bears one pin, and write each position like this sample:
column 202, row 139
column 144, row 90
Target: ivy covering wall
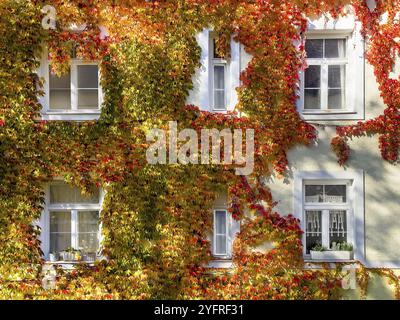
column 155, row 219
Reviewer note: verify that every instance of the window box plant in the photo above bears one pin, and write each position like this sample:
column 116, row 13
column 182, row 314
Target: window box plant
column 338, row 251
column 53, row 257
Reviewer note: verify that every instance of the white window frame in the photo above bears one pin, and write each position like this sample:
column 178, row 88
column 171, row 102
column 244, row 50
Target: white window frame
column 324, row 63
column 326, row 207
column 214, row 63
column 233, row 228
column 202, row 95
column 342, row 28
column 74, row 114
column 354, row 206
column 228, row 227
column 44, row 222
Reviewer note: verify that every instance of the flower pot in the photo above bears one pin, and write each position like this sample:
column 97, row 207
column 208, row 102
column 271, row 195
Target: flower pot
column 53, row 257
column 63, row 255
column 330, row 255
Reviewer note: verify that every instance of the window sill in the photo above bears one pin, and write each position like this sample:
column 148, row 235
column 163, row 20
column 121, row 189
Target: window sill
column 69, row 115
column 318, row 264
column 331, row 115
column 220, row 263
column 68, row 265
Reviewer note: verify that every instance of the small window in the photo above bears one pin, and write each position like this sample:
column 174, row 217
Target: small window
column 218, row 80
column 78, row 90
column 73, row 223
column 220, row 233
column 324, row 84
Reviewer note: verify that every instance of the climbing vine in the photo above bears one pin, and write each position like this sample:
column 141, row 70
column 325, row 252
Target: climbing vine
column 155, row 219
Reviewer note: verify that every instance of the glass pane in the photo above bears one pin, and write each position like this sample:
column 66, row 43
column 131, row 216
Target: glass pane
column 335, row 193
column 60, row 231
column 64, row 193
column 314, row 48
column 336, row 76
column 219, row 99
column 312, row 99
column 313, row 77
column 93, row 197
column 335, row 99
column 219, row 77
column 335, row 48
column 88, row 99
column 314, row 193
column 61, row 193
column 88, row 77
column 220, row 222
column 60, row 99
column 337, row 228
column 313, row 229
column 60, row 221
column 63, row 82
column 88, row 242
column 59, row 242
column 220, row 245
column 88, row 221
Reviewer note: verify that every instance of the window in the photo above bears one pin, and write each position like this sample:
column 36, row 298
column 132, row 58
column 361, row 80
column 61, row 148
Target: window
column 325, row 77
column 219, row 80
column 76, row 95
column 78, row 90
column 221, row 232
column 215, row 82
column 332, row 85
column 327, row 214
column 72, row 222
column 330, row 207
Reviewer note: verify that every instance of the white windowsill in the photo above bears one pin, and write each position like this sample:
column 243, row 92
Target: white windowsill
column 220, row 264
column 71, row 115
column 324, row 112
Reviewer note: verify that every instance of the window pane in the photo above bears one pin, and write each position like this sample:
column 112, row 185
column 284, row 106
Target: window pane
column 219, row 77
column 88, row 242
column 60, row 221
column 60, row 99
column 335, row 99
column 314, row 193
column 60, row 231
column 220, row 222
column 59, row 242
column 313, row 229
column 63, row 82
column 337, row 228
column 93, row 197
column 314, row 48
column 220, row 245
column 313, row 77
column 88, row 99
column 335, row 193
column 61, row 193
column 88, row 77
column 88, row 221
column 312, row 99
column 335, row 48
column 336, row 76
column 64, row 193
column 219, row 100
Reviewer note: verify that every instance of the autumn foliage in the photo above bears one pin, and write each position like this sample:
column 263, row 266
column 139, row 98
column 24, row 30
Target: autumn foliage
column 155, row 219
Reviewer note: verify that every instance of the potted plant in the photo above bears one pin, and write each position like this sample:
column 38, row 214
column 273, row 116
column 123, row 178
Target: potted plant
column 69, row 254
column 64, row 255
column 53, row 256
column 338, row 251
